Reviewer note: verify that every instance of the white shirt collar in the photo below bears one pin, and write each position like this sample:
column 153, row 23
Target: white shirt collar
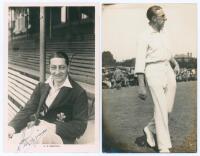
column 65, row 84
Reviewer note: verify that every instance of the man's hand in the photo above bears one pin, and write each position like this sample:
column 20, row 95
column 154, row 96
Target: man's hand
column 175, row 63
column 142, row 93
column 11, row 131
column 177, row 69
column 30, row 124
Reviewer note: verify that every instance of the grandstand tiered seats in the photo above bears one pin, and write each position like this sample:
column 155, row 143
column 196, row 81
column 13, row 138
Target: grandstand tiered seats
column 81, row 68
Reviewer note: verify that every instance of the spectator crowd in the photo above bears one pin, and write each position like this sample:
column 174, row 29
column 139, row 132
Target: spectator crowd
column 117, row 77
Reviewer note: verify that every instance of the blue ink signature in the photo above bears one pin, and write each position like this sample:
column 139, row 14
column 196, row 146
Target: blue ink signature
column 29, row 140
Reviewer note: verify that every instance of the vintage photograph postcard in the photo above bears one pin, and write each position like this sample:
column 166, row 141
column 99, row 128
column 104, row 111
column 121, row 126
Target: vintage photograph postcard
column 149, row 78
column 52, row 91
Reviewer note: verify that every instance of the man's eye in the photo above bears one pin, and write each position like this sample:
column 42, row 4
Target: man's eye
column 62, row 67
column 53, row 67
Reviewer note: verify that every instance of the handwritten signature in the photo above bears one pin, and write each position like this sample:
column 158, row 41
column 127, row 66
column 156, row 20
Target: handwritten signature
column 29, row 140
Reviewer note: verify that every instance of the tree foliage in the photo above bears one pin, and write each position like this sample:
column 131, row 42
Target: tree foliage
column 127, row 63
column 187, row 62
column 108, row 59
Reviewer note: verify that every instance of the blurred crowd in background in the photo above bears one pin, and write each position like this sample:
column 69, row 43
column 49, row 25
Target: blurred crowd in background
column 120, row 76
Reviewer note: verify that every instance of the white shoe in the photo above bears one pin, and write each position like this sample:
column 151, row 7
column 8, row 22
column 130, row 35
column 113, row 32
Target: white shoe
column 149, row 136
column 164, row 150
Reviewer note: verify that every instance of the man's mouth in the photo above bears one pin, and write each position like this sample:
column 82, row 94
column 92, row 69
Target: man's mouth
column 58, row 76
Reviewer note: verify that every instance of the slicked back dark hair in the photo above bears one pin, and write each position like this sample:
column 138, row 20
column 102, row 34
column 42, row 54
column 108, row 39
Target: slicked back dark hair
column 60, row 54
column 152, row 11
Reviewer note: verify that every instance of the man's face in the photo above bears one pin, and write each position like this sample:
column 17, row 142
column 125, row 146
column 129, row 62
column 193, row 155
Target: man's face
column 58, row 69
column 159, row 19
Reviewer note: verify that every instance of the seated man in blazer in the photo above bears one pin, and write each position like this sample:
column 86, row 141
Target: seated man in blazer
column 60, row 105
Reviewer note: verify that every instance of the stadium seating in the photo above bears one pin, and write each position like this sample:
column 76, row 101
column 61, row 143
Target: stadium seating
column 82, row 67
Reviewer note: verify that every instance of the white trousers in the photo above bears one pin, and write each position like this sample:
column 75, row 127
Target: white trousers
column 162, row 85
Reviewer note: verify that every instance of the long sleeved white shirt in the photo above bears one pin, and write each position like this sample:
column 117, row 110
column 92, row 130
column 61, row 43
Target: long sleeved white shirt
column 152, row 46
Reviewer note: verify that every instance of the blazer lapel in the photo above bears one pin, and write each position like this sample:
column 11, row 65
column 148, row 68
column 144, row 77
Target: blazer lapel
column 58, row 100
column 44, row 93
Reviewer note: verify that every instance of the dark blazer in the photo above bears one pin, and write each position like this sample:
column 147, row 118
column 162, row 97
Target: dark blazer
column 72, row 102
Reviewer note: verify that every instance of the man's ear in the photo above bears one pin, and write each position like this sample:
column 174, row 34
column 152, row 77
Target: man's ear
column 153, row 19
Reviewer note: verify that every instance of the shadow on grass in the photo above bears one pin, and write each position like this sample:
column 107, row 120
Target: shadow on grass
column 109, row 146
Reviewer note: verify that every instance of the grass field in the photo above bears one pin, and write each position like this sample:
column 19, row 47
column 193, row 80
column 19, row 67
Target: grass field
column 125, row 115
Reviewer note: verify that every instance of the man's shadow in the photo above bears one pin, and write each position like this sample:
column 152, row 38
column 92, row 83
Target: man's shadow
column 142, row 142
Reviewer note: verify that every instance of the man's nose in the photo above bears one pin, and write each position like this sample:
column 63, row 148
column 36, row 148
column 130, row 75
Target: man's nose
column 57, row 71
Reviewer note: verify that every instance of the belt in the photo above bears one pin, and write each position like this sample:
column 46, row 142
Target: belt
column 156, row 62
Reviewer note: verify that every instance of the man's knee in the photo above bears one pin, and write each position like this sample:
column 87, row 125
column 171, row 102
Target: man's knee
column 51, row 138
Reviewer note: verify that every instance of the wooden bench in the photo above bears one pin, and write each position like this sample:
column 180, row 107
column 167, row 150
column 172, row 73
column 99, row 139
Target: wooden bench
column 20, row 88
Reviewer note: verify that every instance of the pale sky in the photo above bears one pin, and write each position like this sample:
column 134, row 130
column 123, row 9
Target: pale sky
column 122, row 24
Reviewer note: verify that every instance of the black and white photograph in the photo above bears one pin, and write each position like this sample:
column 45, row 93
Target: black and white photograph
column 149, row 78
column 51, row 79
column 91, row 77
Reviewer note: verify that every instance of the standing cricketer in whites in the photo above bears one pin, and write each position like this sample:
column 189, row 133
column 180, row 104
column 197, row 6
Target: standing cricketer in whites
column 153, row 63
